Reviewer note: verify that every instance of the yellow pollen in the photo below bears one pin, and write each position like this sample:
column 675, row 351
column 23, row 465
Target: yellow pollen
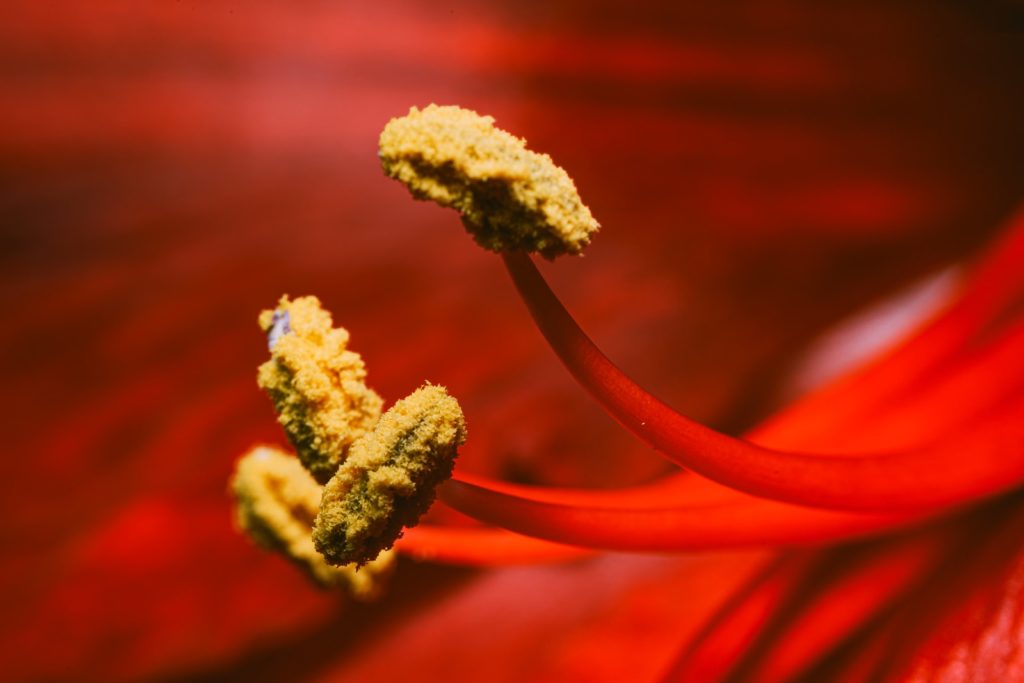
column 276, row 503
column 316, row 384
column 390, row 477
column 510, row 198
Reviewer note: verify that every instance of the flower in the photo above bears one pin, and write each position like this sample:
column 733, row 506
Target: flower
column 758, row 173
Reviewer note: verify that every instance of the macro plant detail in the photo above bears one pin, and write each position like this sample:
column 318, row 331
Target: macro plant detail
column 509, row 198
column 278, row 502
column 781, row 486
column 379, row 471
column 808, row 253
column 316, row 384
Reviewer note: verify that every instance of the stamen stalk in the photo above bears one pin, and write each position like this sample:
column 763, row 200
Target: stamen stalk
column 927, row 477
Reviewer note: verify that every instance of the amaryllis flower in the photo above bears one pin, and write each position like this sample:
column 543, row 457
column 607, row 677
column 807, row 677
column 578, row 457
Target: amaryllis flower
column 761, row 174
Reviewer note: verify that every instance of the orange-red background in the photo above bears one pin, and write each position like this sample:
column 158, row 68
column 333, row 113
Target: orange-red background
column 168, row 169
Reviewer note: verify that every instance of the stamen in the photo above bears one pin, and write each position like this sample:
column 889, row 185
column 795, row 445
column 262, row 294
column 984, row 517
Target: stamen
column 509, row 197
column 933, row 476
column 482, row 547
column 435, row 153
column 277, row 501
column 744, row 522
column 317, row 384
column 390, row 477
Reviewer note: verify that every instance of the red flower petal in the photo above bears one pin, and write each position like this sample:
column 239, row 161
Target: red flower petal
column 170, row 169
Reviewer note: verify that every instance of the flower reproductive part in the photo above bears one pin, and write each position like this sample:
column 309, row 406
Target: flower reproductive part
column 391, row 477
column 509, row 197
column 317, row 385
column 276, row 503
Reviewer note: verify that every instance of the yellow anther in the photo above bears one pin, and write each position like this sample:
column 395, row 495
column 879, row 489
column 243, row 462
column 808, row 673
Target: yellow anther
column 390, row 477
column 317, row 384
column 509, row 197
column 277, row 502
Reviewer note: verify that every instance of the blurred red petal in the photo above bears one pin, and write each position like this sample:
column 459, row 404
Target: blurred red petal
column 168, row 170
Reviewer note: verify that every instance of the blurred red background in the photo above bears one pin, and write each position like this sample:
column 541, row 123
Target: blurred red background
column 169, row 169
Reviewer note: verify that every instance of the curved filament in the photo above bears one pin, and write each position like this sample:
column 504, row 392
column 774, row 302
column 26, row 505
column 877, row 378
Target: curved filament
column 481, row 547
column 748, row 522
column 932, row 476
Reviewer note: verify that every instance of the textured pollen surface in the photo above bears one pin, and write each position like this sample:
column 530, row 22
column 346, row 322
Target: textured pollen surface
column 317, row 384
column 390, row 477
column 510, row 198
column 277, row 501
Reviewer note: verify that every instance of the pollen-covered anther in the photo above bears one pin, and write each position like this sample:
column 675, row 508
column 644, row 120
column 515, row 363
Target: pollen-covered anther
column 510, row 198
column 317, row 385
column 390, row 477
column 276, row 504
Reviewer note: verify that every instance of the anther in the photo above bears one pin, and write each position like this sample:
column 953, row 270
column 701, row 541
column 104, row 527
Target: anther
column 390, row 477
column 276, row 503
column 317, row 385
column 510, row 198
